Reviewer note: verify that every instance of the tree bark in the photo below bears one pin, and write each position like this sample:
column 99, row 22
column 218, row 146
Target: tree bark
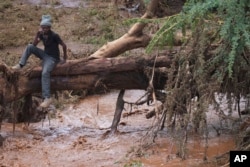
column 107, row 73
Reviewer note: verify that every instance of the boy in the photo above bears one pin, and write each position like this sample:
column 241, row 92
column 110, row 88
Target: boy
column 50, row 56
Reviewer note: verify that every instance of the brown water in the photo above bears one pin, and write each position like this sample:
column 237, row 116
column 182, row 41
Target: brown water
column 76, row 137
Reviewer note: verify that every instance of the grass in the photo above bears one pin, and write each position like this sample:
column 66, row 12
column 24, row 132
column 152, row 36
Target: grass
column 5, row 4
column 134, row 163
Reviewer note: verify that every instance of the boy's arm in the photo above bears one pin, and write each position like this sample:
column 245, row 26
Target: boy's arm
column 36, row 39
column 65, row 56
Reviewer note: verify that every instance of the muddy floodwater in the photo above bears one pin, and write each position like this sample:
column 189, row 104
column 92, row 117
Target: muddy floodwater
column 75, row 137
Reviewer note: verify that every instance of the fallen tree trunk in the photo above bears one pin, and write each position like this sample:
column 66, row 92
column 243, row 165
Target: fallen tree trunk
column 134, row 38
column 107, row 73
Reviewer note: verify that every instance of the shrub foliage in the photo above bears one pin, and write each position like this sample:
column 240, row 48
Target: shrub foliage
column 214, row 59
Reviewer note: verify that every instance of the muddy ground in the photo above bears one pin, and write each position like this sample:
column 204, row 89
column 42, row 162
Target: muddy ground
column 76, row 134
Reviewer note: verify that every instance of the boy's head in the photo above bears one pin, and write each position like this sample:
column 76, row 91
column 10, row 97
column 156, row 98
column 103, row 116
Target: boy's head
column 46, row 21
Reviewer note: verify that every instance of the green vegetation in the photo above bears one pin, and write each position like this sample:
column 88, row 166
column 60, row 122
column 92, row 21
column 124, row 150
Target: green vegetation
column 134, row 164
column 214, row 59
column 223, row 23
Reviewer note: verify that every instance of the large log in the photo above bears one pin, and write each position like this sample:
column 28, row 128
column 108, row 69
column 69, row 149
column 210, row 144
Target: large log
column 134, row 38
column 108, row 73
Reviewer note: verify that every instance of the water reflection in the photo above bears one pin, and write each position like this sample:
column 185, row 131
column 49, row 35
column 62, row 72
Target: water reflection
column 58, row 4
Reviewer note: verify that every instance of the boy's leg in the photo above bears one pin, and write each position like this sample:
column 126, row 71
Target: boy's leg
column 31, row 49
column 49, row 64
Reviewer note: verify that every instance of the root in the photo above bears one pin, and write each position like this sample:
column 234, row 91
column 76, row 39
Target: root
column 118, row 111
column 10, row 80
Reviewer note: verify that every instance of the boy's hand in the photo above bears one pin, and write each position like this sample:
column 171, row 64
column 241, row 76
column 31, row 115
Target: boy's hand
column 40, row 31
